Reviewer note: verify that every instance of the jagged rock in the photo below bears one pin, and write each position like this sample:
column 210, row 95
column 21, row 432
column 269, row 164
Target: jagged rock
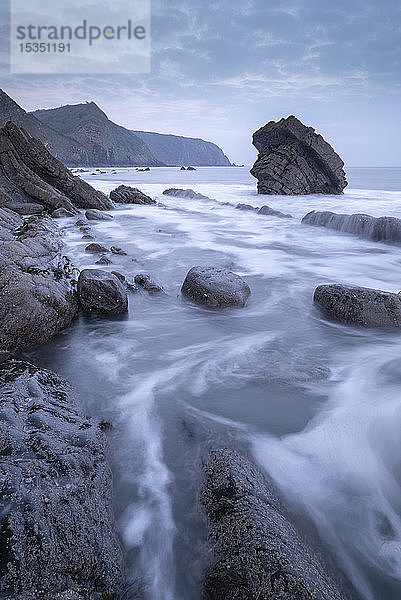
column 28, row 172
column 359, row 306
column 185, row 194
column 95, row 248
column 101, row 292
column 59, row 213
column 9, row 223
column 257, row 552
column 81, row 223
column 37, row 296
column 116, row 250
column 294, row 159
column 103, row 260
column 97, row 215
column 125, row 194
column 148, row 284
column 58, row 536
column 215, row 288
column 378, row 229
column 271, row 212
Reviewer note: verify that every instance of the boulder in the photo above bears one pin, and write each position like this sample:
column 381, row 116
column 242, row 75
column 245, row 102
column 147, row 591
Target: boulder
column 59, row 213
column 294, row 159
column 257, row 551
column 28, row 172
column 242, row 206
column 125, row 194
column 37, row 292
column 178, row 193
column 359, row 306
column 117, row 250
column 271, row 212
column 378, row 229
column 58, row 535
column 101, row 292
column 215, row 288
column 145, row 282
column 95, row 248
column 103, row 260
column 191, row 169
column 97, row 215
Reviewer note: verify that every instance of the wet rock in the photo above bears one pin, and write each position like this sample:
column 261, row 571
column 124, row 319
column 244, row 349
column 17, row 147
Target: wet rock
column 29, row 208
column 101, row 292
column 120, row 276
column 215, row 288
column 103, row 260
column 178, row 193
column 58, row 535
column 29, row 173
column 191, row 169
column 378, row 229
column 271, row 212
column 9, row 223
column 257, row 551
column 88, row 236
column 183, row 169
column 125, row 194
column 116, row 250
column 145, row 282
column 37, row 295
column 294, row 159
column 359, row 306
column 81, row 223
column 242, row 206
column 95, row 248
column 97, row 215
column 59, row 213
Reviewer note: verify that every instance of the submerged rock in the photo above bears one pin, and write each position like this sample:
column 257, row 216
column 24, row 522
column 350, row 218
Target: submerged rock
column 215, row 288
column 97, row 215
column 103, row 260
column 378, row 229
column 359, row 306
column 145, row 282
column 94, row 247
column 58, row 536
column 37, row 294
column 117, row 250
column 101, row 292
column 257, row 551
column 126, row 194
column 178, row 193
column 271, row 212
column 294, row 159
column 242, row 206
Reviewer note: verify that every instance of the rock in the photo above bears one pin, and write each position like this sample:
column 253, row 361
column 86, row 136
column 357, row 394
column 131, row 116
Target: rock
column 103, row 260
column 88, row 236
column 125, row 194
column 271, row 212
column 185, row 194
column 29, row 208
column 183, row 169
column 294, row 159
column 97, row 215
column 257, row 552
column 81, row 223
column 120, row 276
column 148, row 284
column 242, row 206
column 58, row 534
column 37, row 296
column 59, row 213
column 9, row 223
column 101, row 292
column 191, row 169
column 359, row 306
column 378, row 229
column 116, row 250
column 28, row 172
column 95, row 248
column 215, row 288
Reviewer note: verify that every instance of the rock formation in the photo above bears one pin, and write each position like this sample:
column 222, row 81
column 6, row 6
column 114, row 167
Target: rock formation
column 378, row 229
column 29, row 173
column 215, row 288
column 191, row 194
column 257, row 552
column 145, row 282
column 57, row 531
column 101, row 292
column 359, row 306
column 96, row 215
column 293, row 159
column 126, row 194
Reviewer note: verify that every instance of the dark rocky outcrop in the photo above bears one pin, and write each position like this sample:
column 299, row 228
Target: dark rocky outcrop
column 95, row 248
column 61, row 213
column 242, row 206
column 178, row 193
column 258, row 552
column 294, row 159
column 359, row 306
column 118, row 250
column 378, row 229
column 97, row 215
column 215, row 288
column 125, row 194
column 37, row 295
column 57, row 532
column 264, row 210
column 145, row 282
column 101, row 292
column 29, row 173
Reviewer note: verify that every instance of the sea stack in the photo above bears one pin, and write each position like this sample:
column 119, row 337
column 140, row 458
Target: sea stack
column 294, row 160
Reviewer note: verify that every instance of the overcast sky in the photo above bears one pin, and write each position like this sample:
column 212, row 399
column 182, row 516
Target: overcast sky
column 223, row 68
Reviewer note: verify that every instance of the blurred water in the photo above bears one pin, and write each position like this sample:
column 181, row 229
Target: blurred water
column 317, row 403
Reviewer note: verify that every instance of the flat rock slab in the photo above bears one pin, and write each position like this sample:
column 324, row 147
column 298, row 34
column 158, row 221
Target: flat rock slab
column 58, row 536
column 97, row 215
column 215, row 288
column 257, row 552
column 359, row 306
column 126, row 194
column 101, row 292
